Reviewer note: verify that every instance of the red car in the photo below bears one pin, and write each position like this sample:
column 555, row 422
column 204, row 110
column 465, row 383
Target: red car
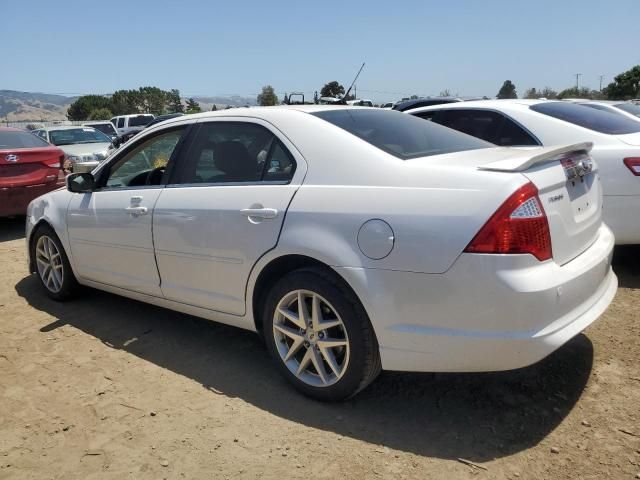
column 29, row 167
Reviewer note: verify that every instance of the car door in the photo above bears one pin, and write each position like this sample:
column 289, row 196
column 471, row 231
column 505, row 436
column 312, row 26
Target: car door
column 222, row 210
column 110, row 228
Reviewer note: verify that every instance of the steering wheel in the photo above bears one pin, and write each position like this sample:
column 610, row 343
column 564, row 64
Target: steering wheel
column 154, row 177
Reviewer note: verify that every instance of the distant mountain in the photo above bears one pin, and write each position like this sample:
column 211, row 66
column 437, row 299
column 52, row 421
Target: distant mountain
column 24, row 106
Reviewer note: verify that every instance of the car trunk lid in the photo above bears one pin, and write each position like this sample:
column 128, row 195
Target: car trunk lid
column 569, row 190
column 29, row 166
column 630, row 139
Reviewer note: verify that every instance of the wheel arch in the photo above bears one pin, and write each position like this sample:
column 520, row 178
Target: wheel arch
column 279, row 266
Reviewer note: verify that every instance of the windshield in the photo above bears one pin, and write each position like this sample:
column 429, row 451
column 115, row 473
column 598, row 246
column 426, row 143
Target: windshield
column 596, row 120
column 140, row 120
column 401, row 135
column 631, row 108
column 106, row 128
column 72, row 136
column 15, row 139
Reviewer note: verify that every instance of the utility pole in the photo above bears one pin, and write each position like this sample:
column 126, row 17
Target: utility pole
column 578, row 81
column 601, row 77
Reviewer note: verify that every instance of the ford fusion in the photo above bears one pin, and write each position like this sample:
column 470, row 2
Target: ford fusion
column 351, row 239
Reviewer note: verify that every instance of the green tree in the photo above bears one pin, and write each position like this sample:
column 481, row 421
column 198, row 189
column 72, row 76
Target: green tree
column 413, row 97
column 214, row 108
column 624, row 86
column 124, row 102
column 193, row 106
column 83, row 106
column 508, row 90
column 101, row 114
column 332, row 89
column 151, row 100
column 582, row 92
column 285, row 100
column 267, row 97
column 173, row 101
column 445, row 93
column 548, row 93
column 532, row 93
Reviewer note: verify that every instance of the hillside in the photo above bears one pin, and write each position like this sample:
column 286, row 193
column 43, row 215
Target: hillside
column 27, row 106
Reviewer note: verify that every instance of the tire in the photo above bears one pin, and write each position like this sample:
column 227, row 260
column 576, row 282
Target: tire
column 339, row 351
column 58, row 282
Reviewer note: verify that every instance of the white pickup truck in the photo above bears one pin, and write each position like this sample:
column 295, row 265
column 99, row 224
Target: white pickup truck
column 131, row 123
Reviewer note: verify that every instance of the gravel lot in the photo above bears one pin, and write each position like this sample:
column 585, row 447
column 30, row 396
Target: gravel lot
column 108, row 387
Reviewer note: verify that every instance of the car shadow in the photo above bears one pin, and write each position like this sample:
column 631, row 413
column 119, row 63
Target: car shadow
column 475, row 416
column 11, row 228
column 626, row 265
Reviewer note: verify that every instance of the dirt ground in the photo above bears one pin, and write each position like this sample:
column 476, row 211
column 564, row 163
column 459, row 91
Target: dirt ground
column 106, row 387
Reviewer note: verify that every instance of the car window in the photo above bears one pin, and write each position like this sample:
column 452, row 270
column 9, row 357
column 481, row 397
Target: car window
column 231, row 152
column 140, row 120
column 400, row 134
column 631, row 108
column 511, row 134
column 80, row 135
column 121, row 122
column 10, row 139
column 144, row 163
column 596, row 120
column 105, row 128
column 428, row 115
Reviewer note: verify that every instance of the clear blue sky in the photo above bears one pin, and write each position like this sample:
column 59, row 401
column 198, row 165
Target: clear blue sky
column 235, row 47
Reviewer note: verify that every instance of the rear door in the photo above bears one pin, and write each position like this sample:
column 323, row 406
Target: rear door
column 222, row 210
column 110, row 228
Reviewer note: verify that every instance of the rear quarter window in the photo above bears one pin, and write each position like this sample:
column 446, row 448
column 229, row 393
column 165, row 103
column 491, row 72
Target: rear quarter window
column 401, row 134
column 596, row 120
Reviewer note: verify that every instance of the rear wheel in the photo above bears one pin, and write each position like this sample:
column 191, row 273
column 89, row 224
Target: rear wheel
column 52, row 265
column 320, row 336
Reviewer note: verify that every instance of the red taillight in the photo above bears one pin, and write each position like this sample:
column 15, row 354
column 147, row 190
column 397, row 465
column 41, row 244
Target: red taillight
column 518, row 226
column 633, row 164
column 54, row 163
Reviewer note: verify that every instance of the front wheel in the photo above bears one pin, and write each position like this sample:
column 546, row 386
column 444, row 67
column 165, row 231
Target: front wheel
column 52, row 265
column 320, row 336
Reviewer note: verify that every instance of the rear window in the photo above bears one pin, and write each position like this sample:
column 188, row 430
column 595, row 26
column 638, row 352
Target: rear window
column 399, row 134
column 140, row 120
column 11, row 139
column 631, row 108
column 73, row 136
column 597, row 120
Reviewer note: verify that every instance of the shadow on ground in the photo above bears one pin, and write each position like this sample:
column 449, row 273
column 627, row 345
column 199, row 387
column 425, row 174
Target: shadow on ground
column 11, row 228
column 475, row 416
column 626, row 264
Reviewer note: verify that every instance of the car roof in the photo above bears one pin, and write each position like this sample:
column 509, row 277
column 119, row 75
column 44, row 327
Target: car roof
column 97, row 122
column 63, row 127
column 515, row 103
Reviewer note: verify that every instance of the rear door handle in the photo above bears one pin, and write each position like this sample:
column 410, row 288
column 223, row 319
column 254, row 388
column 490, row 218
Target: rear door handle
column 260, row 212
column 136, row 211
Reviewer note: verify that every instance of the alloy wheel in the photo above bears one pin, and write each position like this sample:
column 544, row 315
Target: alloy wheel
column 49, row 263
column 311, row 338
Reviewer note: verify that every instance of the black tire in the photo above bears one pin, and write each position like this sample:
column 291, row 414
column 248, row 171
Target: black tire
column 364, row 358
column 69, row 286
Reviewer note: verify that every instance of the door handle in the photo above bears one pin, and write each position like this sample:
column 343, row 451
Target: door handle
column 136, row 211
column 260, row 212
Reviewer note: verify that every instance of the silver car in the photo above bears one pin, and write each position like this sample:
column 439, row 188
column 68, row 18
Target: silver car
column 84, row 147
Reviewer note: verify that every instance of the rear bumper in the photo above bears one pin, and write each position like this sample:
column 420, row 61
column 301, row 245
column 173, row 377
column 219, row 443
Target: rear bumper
column 14, row 200
column 620, row 214
column 488, row 312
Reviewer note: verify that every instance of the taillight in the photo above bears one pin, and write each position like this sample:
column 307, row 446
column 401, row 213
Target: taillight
column 53, row 163
column 518, row 226
column 633, row 164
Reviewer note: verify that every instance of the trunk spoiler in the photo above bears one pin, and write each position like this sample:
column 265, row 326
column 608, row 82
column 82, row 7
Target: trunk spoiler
column 525, row 159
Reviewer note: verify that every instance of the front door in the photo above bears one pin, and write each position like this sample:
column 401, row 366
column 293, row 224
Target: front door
column 222, row 211
column 110, row 228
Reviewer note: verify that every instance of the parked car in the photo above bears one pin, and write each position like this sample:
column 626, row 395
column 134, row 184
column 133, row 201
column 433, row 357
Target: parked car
column 529, row 123
column 405, row 105
column 393, row 243
column 105, row 127
column 162, row 118
column 29, row 167
column 626, row 109
column 360, row 102
column 84, row 147
column 131, row 123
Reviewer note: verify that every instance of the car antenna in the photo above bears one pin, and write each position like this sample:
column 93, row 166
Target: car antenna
column 343, row 100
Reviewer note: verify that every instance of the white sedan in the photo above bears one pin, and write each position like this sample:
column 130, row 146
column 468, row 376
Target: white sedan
column 352, row 239
column 526, row 123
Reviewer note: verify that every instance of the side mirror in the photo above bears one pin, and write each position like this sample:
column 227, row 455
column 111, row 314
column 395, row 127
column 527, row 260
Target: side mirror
column 80, row 182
